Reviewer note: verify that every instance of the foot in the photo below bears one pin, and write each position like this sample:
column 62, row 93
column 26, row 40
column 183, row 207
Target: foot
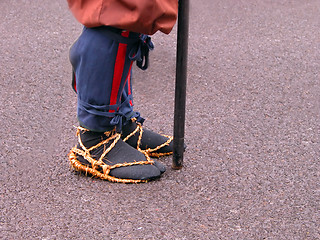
column 153, row 144
column 107, row 156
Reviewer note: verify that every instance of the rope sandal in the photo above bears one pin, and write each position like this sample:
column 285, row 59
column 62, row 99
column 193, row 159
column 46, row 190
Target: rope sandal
column 85, row 159
column 146, row 141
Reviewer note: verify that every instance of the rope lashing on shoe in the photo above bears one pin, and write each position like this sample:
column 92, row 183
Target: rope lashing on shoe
column 149, row 151
column 95, row 164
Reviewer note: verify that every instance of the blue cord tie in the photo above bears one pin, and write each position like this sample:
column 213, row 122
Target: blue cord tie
column 141, row 52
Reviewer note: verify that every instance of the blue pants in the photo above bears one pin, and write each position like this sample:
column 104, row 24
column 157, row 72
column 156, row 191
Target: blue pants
column 102, row 59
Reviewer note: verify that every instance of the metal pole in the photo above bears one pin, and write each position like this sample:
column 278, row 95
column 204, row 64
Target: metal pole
column 181, row 83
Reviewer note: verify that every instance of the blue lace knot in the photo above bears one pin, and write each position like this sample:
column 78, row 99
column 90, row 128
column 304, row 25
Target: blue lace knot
column 141, row 52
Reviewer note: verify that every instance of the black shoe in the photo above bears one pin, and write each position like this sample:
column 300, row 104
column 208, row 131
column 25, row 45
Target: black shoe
column 107, row 156
column 154, row 144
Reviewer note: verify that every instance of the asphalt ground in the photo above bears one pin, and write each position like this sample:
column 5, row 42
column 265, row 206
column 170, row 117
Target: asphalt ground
column 251, row 169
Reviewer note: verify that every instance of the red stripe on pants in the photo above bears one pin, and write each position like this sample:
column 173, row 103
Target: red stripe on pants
column 118, row 70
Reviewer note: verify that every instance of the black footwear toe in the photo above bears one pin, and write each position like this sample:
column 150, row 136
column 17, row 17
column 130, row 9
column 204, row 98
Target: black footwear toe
column 160, row 166
column 154, row 144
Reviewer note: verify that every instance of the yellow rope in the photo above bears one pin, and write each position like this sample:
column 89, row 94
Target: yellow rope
column 85, row 153
column 150, row 151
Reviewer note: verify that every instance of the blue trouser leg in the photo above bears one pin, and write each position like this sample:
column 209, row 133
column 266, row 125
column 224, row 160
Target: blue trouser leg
column 101, row 65
column 127, row 103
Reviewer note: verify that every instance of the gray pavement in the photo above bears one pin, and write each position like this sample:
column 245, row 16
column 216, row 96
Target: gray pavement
column 252, row 165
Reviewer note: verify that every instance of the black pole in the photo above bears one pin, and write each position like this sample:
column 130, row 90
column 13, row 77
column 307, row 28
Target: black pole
column 181, row 83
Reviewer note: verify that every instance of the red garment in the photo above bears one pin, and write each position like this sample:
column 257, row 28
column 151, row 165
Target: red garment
column 142, row 16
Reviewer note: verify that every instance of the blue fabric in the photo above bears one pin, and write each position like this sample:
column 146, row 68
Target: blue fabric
column 93, row 58
column 141, row 53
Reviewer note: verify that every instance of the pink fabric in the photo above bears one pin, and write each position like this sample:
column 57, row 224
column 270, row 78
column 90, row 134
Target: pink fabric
column 142, row 16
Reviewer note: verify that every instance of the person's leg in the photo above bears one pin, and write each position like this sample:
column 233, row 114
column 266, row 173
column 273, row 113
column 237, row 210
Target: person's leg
column 101, row 65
